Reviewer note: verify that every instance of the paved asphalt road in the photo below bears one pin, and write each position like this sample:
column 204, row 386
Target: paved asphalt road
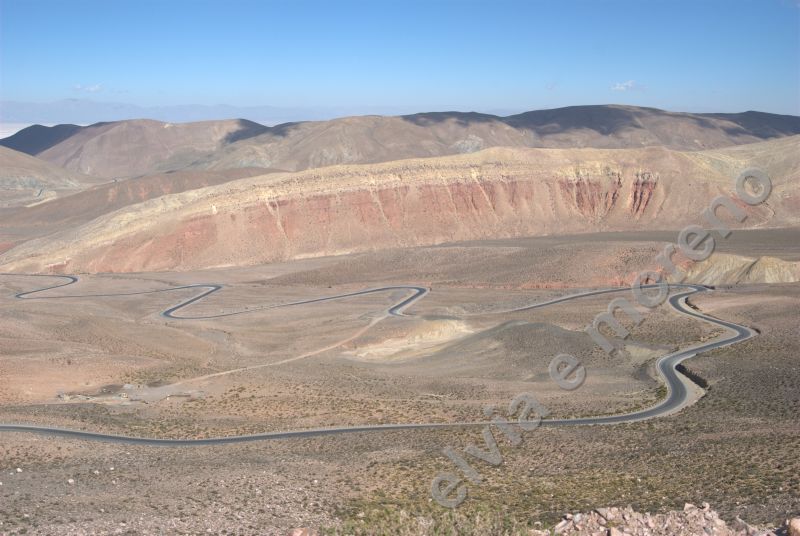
column 677, row 395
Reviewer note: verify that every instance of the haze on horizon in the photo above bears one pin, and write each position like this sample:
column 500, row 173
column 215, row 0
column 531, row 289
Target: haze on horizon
column 281, row 61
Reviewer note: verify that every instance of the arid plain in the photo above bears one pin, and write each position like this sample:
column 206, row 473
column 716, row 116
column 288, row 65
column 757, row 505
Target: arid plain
column 261, row 214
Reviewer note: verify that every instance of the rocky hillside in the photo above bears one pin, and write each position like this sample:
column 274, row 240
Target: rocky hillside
column 133, row 148
column 490, row 194
column 25, row 180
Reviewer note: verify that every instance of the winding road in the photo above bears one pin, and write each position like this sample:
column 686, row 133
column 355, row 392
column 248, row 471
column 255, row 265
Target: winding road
column 677, row 384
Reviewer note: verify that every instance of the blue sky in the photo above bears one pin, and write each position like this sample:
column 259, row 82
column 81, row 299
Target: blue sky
column 490, row 56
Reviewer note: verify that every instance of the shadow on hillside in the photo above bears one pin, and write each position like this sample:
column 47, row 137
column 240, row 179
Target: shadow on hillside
column 602, row 119
column 760, row 124
column 249, row 129
column 461, row 118
column 252, row 130
column 38, row 138
column 612, row 119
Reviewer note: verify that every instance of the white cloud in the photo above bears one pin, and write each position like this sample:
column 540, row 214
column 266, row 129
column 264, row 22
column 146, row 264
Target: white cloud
column 629, row 85
column 93, row 88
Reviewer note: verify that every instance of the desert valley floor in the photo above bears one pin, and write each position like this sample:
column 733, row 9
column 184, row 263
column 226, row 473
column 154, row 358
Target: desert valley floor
column 108, row 361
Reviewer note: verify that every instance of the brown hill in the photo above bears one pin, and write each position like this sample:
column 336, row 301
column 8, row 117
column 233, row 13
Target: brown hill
column 37, row 138
column 132, row 148
column 129, row 148
column 373, row 139
column 25, row 179
column 500, row 192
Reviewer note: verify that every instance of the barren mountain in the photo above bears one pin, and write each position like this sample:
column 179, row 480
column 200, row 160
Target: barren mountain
column 25, row 179
column 500, row 192
column 129, row 148
column 37, row 138
column 132, row 148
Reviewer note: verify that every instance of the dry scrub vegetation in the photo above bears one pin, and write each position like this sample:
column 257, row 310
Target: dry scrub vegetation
column 736, row 448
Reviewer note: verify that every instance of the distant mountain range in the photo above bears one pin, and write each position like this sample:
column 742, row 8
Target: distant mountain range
column 149, row 195
column 139, row 147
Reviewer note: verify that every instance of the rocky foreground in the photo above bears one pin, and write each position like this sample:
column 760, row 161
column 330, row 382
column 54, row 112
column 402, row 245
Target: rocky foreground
column 693, row 520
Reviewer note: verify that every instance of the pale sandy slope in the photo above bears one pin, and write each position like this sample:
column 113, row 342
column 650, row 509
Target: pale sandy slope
column 339, row 209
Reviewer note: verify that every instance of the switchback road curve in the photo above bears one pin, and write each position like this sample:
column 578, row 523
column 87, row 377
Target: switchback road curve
column 676, row 383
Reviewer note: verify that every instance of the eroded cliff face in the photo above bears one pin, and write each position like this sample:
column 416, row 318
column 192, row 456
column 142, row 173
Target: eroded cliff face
column 642, row 190
column 591, row 195
column 493, row 194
